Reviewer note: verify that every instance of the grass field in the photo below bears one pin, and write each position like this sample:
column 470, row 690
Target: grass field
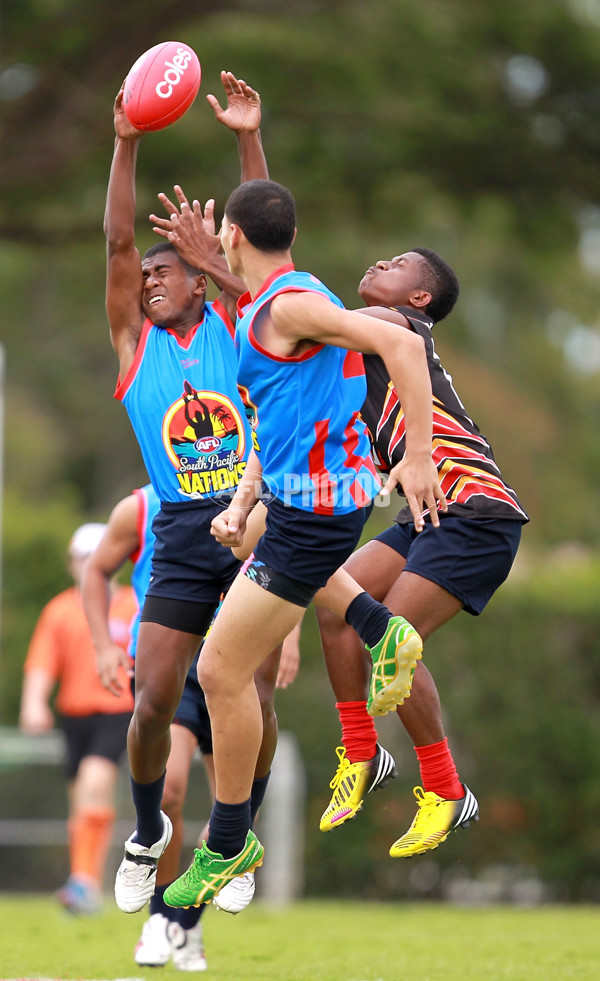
column 316, row 941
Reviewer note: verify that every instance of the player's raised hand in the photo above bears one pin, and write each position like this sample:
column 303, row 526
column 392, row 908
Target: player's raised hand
column 188, row 228
column 419, row 480
column 243, row 105
column 123, row 128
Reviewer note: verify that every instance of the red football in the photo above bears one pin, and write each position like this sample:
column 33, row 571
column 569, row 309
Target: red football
column 161, row 85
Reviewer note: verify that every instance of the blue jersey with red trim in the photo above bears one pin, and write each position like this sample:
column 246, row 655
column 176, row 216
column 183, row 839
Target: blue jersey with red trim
column 148, row 507
column 183, row 402
column 310, row 438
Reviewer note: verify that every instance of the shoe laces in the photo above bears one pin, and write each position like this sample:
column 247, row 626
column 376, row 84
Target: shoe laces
column 427, row 804
column 135, row 874
column 189, row 876
column 343, row 767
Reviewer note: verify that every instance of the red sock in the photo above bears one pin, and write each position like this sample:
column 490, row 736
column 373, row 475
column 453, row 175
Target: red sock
column 438, row 772
column 359, row 734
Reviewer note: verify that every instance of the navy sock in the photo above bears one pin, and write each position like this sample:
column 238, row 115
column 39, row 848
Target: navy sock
column 158, row 905
column 257, row 796
column 228, row 827
column 146, row 799
column 187, row 918
column 368, row 617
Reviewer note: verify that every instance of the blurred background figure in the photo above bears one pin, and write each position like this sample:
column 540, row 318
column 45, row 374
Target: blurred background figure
column 94, row 721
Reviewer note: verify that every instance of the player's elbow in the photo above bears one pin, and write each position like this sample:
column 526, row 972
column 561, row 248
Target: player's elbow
column 117, row 243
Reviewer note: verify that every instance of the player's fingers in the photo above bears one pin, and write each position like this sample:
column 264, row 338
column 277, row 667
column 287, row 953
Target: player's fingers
column 416, row 510
column 161, row 222
column 181, row 197
column 389, row 486
column 214, row 104
column 433, row 512
column 167, row 203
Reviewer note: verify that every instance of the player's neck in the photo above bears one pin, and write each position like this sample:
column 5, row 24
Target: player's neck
column 260, row 266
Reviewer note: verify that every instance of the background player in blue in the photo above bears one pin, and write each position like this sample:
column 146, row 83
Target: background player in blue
column 314, row 450
column 176, row 355
column 168, row 932
column 429, row 577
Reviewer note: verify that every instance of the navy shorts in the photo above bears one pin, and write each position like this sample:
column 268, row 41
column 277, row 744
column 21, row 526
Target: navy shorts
column 192, row 712
column 304, row 547
column 101, row 734
column 188, row 564
column 468, row 557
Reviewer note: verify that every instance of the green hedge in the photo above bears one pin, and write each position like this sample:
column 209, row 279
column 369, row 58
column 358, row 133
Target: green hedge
column 520, row 690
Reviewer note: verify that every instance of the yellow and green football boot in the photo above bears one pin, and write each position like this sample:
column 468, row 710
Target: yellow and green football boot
column 394, row 660
column 209, row 872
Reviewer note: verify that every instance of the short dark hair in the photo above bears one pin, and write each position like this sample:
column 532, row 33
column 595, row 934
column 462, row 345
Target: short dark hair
column 266, row 213
column 161, row 247
column 439, row 279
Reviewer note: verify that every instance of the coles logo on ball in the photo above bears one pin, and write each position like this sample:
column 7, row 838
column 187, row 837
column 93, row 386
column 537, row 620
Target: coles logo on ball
column 174, row 71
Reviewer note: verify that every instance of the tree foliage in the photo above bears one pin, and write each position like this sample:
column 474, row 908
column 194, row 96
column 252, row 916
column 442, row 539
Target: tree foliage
column 468, row 126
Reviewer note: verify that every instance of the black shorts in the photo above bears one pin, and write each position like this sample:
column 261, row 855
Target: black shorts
column 188, row 564
column 100, row 734
column 190, row 569
column 469, row 558
column 192, row 712
column 303, row 547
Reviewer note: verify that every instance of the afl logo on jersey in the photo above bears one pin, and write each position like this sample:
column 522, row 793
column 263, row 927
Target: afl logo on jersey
column 208, row 444
column 205, row 438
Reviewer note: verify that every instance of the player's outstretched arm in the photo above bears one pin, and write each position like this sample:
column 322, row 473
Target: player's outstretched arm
column 124, row 271
column 299, row 316
column 243, row 116
column 119, row 541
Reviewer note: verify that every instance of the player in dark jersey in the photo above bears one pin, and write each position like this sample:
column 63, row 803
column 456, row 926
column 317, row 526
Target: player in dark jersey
column 297, row 357
column 176, row 352
column 429, row 577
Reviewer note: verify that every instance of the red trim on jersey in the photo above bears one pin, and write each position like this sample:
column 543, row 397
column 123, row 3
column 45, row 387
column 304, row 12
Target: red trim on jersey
column 184, row 342
column 355, row 462
column 124, row 385
column 223, row 314
column 246, row 299
column 325, row 487
column 354, row 365
column 281, row 271
column 277, row 357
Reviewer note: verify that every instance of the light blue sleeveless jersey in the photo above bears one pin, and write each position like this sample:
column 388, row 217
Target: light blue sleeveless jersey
column 183, row 402
column 310, row 437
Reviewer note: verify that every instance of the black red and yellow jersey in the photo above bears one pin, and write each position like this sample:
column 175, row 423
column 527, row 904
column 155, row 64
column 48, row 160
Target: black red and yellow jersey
column 468, row 472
